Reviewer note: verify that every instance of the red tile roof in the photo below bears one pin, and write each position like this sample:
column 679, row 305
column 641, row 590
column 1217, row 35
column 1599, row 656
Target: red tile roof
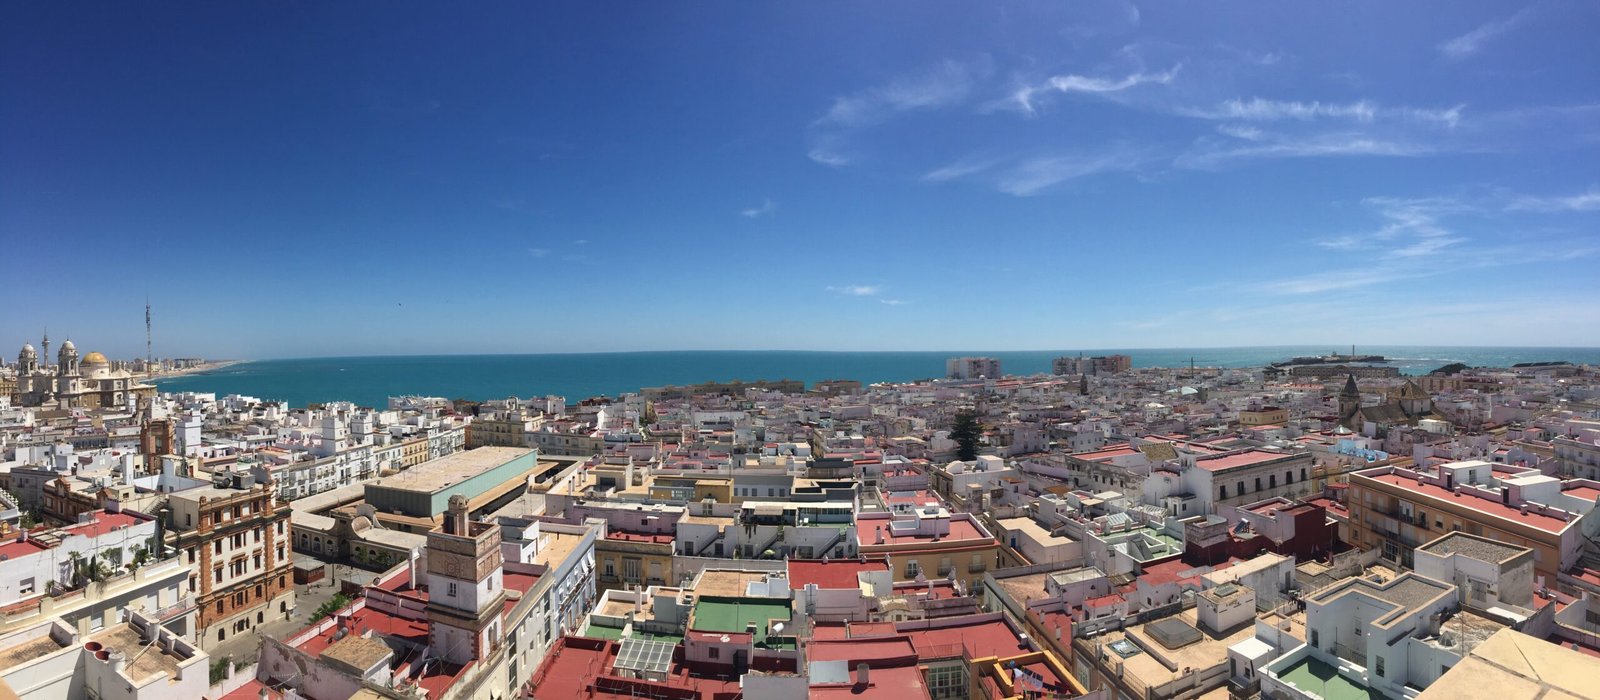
column 1532, row 518
column 1241, row 459
column 836, row 574
column 980, row 639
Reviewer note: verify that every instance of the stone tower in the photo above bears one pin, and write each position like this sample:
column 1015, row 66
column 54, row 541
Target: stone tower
column 1349, row 399
column 466, row 590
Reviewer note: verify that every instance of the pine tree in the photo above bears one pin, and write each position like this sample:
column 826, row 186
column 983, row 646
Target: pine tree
column 966, row 432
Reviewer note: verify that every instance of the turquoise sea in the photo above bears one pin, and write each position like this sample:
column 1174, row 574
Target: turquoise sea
column 370, row 381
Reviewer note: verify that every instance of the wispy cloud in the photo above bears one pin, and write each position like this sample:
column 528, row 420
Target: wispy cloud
column 1414, row 223
column 1472, row 42
column 539, row 252
column 855, row 290
column 1584, row 201
column 1025, row 98
column 947, row 83
column 827, row 157
column 1362, row 111
column 1210, row 154
column 892, row 302
column 767, row 207
column 960, row 169
column 1034, row 175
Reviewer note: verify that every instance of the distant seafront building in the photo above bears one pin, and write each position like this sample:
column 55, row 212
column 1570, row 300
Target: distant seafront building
column 971, row 368
column 1099, row 364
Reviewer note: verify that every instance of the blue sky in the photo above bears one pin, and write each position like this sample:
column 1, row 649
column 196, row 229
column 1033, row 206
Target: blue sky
column 293, row 179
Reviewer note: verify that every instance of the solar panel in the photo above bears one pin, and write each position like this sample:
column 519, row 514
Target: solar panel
column 644, row 656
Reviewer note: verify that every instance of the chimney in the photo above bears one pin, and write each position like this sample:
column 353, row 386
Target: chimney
column 861, row 674
column 880, row 534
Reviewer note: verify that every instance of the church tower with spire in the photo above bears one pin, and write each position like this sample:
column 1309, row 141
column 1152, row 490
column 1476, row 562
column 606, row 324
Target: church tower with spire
column 1349, row 399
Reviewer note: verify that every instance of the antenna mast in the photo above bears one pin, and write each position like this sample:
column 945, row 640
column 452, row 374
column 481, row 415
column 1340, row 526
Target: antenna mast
column 147, row 353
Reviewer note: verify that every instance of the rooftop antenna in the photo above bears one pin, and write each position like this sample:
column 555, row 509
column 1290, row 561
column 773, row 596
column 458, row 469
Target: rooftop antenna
column 147, row 354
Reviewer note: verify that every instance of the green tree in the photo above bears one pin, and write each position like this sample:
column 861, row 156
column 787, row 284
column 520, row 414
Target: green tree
column 334, row 604
column 219, row 669
column 966, row 432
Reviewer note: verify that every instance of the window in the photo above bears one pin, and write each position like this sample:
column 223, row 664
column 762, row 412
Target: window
column 1258, row 483
column 1272, row 481
column 1302, row 473
column 715, row 652
column 1288, row 477
column 911, row 569
column 26, row 586
column 452, row 591
column 1380, row 667
column 1314, row 639
column 1241, row 488
column 1224, row 491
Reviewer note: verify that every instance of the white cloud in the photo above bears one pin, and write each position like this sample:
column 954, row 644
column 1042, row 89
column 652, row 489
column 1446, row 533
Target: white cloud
column 1034, row 175
column 948, row 83
column 539, row 252
column 960, row 169
column 891, row 302
column 1585, row 201
column 1024, row 98
column 1416, row 222
column 767, row 207
column 828, row 158
column 1361, row 111
column 1209, row 154
column 581, row 241
column 1472, row 42
column 856, row 290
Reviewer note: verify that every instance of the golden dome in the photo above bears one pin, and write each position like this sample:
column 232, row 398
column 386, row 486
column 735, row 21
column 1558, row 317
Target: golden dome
column 95, row 358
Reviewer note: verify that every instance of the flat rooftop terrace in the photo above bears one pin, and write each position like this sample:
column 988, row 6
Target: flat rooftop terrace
column 1032, row 528
column 19, row 654
column 1314, row 676
column 437, row 475
column 143, row 660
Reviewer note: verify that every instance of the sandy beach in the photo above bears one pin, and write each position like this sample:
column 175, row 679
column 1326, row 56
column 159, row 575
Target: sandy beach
column 197, row 369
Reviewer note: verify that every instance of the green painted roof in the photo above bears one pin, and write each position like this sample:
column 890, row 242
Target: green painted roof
column 1312, row 675
column 734, row 616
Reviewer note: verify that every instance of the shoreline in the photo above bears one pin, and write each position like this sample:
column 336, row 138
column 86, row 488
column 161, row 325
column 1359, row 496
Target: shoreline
column 198, row 369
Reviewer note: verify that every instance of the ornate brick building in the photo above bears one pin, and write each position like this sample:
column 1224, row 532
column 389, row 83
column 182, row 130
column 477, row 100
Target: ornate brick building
column 235, row 537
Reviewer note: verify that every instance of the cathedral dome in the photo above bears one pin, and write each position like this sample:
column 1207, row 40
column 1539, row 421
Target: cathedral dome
column 28, row 351
column 95, row 358
column 68, row 348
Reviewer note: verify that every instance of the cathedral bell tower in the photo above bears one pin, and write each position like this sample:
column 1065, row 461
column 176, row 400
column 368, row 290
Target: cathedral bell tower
column 466, row 587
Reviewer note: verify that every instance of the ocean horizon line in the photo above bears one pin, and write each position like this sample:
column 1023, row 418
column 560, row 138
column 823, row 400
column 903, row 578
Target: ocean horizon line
column 952, row 353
